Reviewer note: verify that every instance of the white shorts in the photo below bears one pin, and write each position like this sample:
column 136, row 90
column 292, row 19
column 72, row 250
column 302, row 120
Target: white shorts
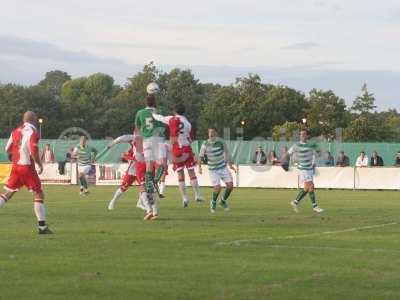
column 306, row 176
column 224, row 175
column 154, row 149
column 84, row 169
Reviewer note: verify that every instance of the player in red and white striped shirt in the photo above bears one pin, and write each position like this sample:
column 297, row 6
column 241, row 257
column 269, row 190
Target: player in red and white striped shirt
column 23, row 149
column 181, row 136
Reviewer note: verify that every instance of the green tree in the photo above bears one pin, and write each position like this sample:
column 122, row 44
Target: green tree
column 325, row 113
column 53, row 81
column 286, row 131
column 365, row 103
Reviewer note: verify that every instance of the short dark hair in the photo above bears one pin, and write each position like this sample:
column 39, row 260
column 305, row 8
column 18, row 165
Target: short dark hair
column 304, row 129
column 179, row 109
column 213, row 128
column 151, row 100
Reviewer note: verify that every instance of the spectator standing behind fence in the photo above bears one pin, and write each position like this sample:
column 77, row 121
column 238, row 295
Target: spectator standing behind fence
column 273, row 159
column 342, row 160
column 362, row 160
column 328, row 160
column 397, row 159
column 47, row 155
column 259, row 157
column 376, row 160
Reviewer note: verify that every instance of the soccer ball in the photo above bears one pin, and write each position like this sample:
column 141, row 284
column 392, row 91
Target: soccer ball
column 152, row 88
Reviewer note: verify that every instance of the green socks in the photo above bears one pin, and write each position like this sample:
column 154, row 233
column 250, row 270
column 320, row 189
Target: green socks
column 159, row 173
column 226, row 194
column 83, row 182
column 313, row 200
column 300, row 196
column 149, row 182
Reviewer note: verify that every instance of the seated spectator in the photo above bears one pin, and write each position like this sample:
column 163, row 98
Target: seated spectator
column 362, row 160
column 327, row 160
column 397, row 159
column 47, row 155
column 273, row 159
column 259, row 157
column 376, row 160
column 342, row 160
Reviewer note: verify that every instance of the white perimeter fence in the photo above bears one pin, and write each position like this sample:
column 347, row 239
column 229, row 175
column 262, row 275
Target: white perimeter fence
column 381, row 178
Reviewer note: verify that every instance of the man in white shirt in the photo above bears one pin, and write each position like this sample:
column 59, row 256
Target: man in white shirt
column 362, row 160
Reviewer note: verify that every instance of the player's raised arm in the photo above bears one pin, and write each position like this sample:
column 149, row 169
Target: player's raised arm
column 161, row 118
column 126, row 138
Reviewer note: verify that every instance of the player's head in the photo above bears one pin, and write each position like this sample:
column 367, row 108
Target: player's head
column 303, row 135
column 151, row 100
column 83, row 140
column 30, row 117
column 212, row 133
column 47, row 146
column 179, row 109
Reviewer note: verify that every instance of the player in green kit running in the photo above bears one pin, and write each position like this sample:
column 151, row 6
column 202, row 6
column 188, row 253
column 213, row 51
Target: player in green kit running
column 85, row 156
column 305, row 154
column 151, row 134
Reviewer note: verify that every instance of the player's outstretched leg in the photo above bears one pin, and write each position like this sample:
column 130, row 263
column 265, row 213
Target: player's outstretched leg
column 225, row 196
column 126, row 183
column 195, row 186
column 215, row 194
column 3, row 200
column 118, row 193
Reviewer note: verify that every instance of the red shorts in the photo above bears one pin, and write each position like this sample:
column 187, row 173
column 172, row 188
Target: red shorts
column 183, row 158
column 127, row 181
column 23, row 176
column 140, row 172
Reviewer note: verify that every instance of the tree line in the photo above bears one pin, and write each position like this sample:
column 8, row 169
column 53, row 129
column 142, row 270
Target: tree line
column 105, row 109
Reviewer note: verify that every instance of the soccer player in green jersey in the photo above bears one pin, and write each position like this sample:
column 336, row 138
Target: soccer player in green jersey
column 305, row 154
column 218, row 158
column 151, row 133
column 85, row 156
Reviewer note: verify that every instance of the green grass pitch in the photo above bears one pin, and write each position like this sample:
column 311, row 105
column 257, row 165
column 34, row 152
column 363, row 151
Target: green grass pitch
column 260, row 249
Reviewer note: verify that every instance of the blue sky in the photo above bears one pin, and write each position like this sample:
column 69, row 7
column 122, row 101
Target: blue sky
column 332, row 44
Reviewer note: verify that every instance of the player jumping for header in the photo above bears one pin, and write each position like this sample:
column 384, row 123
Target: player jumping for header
column 181, row 136
column 151, row 133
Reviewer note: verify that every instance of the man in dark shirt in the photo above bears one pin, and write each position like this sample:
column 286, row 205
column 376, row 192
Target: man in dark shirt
column 376, row 160
column 397, row 159
column 342, row 160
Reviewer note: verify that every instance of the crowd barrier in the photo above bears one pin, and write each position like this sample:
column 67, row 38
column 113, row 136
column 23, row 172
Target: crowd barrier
column 380, row 178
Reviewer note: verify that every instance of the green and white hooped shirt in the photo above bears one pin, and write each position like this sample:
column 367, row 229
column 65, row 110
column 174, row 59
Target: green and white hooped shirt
column 305, row 155
column 215, row 151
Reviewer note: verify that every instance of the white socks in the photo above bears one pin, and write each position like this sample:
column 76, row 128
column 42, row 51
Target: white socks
column 40, row 211
column 182, row 189
column 2, row 201
column 117, row 195
column 195, row 185
column 162, row 188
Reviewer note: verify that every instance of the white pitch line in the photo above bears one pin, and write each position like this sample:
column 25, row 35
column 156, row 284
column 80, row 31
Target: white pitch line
column 290, row 237
column 333, row 248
